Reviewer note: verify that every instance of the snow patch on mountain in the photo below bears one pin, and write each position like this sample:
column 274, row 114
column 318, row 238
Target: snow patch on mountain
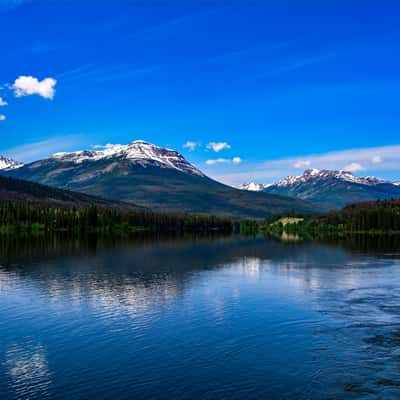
column 254, row 187
column 7, row 164
column 139, row 152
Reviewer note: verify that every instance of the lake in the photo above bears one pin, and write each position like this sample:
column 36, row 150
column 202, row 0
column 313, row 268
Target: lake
column 217, row 318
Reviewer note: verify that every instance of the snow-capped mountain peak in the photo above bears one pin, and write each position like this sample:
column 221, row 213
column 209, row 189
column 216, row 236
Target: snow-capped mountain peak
column 254, row 187
column 139, row 152
column 315, row 174
column 7, row 164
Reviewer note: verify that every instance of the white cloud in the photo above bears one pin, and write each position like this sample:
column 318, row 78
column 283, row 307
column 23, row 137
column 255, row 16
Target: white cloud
column 218, row 161
column 28, row 85
column 218, row 146
column 234, row 160
column 302, row 164
column 376, row 159
column 354, row 167
column 2, row 102
column 191, row 146
column 2, row 117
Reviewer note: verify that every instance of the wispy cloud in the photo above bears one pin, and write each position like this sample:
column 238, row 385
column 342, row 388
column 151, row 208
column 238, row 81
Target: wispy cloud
column 385, row 160
column 288, row 66
column 302, row 164
column 354, row 167
column 248, row 51
column 8, row 4
column 174, row 25
column 127, row 72
column 234, row 160
column 76, row 72
column 218, row 146
column 305, row 62
column 42, row 149
column 376, row 159
column 107, row 73
column 191, row 145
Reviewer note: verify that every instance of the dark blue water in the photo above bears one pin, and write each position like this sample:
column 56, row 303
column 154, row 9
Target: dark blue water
column 199, row 319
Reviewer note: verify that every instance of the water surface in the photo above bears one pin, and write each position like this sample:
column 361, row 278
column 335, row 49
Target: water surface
column 222, row 318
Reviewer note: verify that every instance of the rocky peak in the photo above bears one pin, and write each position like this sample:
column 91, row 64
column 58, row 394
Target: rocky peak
column 7, row 164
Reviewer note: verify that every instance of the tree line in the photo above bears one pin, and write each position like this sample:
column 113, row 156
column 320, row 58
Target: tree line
column 31, row 218
column 382, row 216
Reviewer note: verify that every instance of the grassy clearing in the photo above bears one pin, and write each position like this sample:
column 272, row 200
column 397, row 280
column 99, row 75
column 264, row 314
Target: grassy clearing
column 288, row 220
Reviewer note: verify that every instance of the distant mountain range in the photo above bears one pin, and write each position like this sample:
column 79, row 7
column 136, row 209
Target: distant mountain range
column 151, row 176
column 330, row 189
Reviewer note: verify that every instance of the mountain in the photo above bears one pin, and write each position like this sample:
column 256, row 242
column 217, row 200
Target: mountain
column 396, row 183
column 254, row 187
column 139, row 152
column 154, row 177
column 334, row 189
column 9, row 164
column 16, row 190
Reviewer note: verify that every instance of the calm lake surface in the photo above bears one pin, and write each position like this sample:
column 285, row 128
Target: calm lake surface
column 226, row 318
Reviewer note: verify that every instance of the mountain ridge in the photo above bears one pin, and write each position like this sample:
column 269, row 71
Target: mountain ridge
column 334, row 188
column 154, row 177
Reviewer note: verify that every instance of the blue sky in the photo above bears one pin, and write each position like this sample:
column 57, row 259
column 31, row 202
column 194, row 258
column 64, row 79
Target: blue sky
column 277, row 87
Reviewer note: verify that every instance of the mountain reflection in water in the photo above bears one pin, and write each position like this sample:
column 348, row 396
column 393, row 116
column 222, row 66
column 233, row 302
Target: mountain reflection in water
column 208, row 318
